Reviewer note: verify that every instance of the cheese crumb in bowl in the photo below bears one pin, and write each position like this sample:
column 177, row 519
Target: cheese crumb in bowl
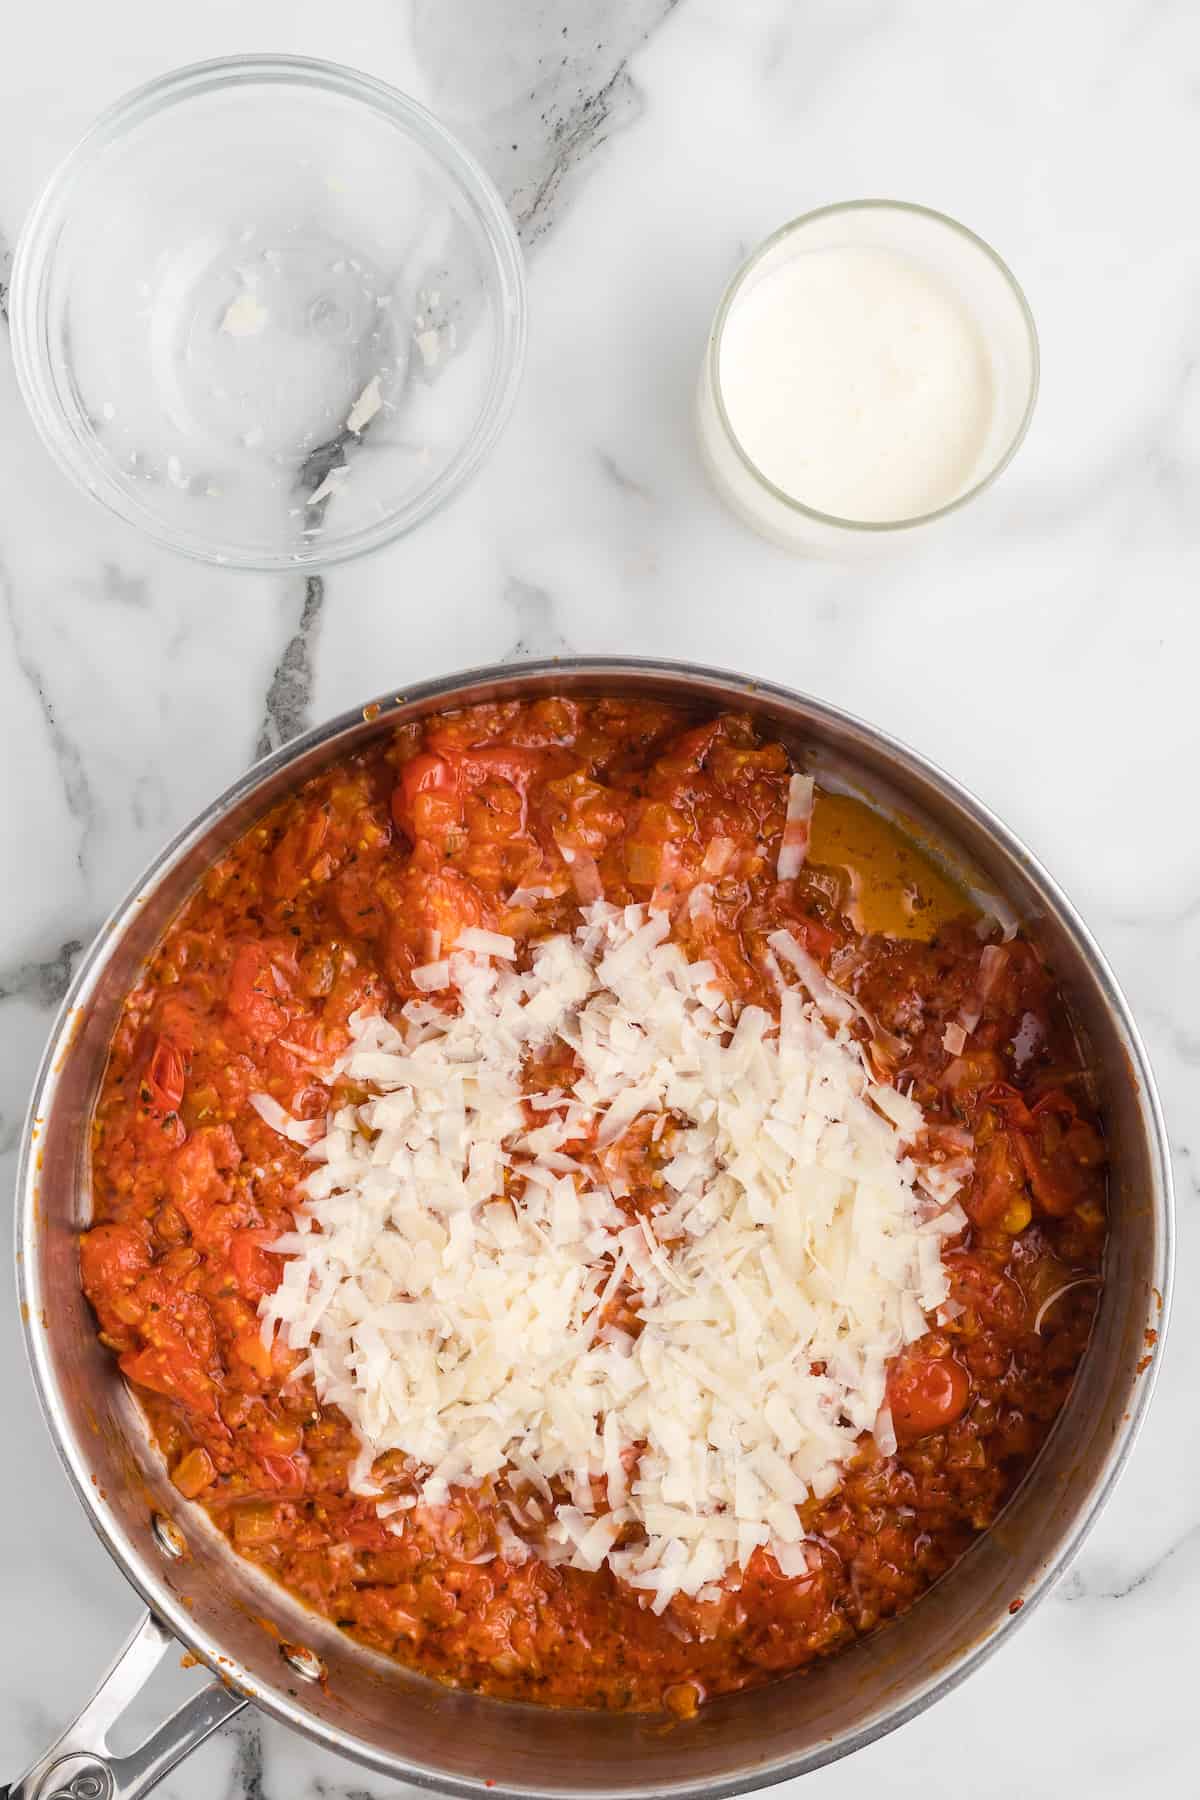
column 224, row 319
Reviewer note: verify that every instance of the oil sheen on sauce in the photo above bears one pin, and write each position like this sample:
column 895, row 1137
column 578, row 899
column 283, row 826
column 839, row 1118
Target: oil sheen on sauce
column 858, row 383
column 879, row 877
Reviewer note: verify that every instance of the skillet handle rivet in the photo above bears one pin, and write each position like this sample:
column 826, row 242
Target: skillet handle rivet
column 168, row 1536
column 306, row 1663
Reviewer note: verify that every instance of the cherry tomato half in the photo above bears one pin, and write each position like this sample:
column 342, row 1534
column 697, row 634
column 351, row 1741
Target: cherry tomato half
column 926, row 1393
column 165, row 1076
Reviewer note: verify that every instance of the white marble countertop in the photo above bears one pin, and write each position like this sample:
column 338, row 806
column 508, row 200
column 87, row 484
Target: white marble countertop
column 1046, row 652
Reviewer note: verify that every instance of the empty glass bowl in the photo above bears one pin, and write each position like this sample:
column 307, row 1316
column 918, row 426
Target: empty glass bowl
column 269, row 311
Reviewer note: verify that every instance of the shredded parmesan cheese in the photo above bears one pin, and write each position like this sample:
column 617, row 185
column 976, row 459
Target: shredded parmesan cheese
column 1048, row 1302
column 460, row 1252
column 297, row 1131
column 794, row 846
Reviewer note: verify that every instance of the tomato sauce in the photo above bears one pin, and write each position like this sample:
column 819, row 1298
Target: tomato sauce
column 328, row 904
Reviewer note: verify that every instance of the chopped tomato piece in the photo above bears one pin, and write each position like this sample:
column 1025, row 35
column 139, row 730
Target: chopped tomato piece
column 177, row 1023
column 114, row 1256
column 999, row 1181
column 503, row 762
column 427, row 799
column 993, row 1296
column 439, row 900
column 360, row 909
column 255, row 1272
column 1059, row 1152
column 301, row 855
column 970, row 1076
column 257, row 992
column 1012, row 1104
column 284, row 1472
column 687, row 753
column 171, row 1372
column 819, row 940
column 198, row 1173
column 1061, row 1166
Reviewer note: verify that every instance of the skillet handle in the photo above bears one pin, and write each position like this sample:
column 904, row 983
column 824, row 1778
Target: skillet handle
column 79, row 1766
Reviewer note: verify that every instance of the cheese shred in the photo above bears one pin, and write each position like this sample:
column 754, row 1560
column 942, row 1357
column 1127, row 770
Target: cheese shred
column 666, row 1376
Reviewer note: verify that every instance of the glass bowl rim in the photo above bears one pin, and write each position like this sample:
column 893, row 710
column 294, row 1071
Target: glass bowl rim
column 32, row 283
column 728, row 300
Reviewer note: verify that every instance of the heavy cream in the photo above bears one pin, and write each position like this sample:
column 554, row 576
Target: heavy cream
column 855, row 380
column 870, row 365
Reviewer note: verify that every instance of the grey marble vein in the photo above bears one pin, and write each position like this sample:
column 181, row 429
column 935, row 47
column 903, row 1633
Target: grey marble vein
column 123, row 589
column 289, row 697
column 72, row 770
column 535, row 100
column 1077, row 1587
column 5, row 273
column 149, row 804
column 44, row 983
column 622, row 480
column 247, row 1778
column 537, row 628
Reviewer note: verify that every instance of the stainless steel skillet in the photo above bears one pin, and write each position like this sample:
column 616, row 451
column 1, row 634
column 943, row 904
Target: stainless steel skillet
column 264, row 1648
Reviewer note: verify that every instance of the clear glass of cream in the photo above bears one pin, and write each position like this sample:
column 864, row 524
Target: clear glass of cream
column 871, row 369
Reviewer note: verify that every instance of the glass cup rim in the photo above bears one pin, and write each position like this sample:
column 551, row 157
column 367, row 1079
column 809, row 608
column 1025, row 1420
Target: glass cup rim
column 33, row 262
column 877, row 527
